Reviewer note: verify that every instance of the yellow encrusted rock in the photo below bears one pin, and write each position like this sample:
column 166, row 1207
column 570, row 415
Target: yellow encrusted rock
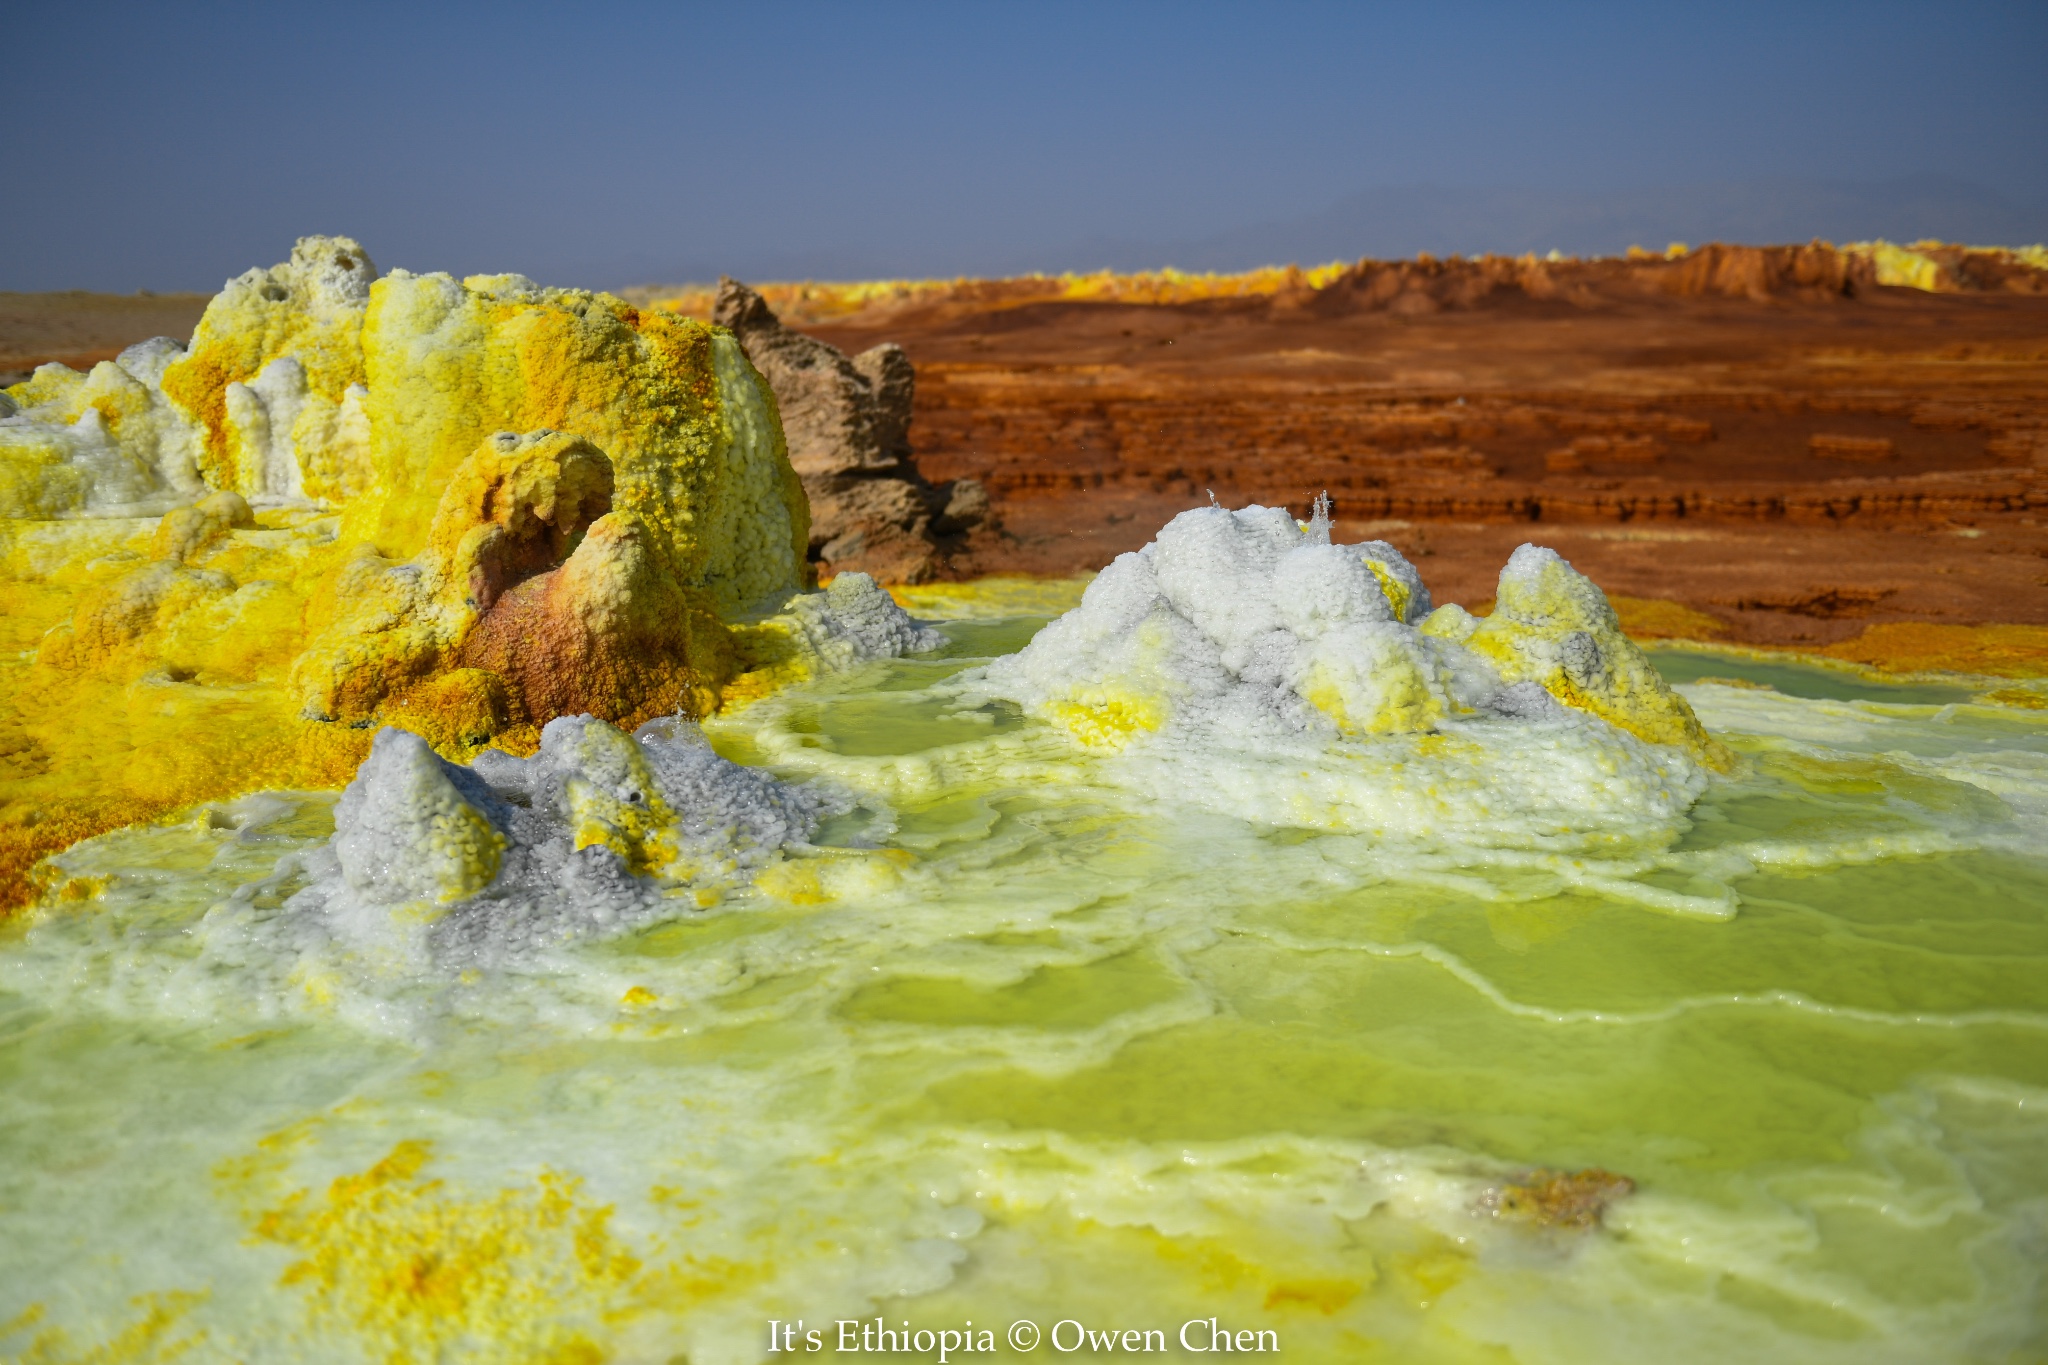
column 691, row 431
column 186, row 531
column 462, row 507
column 105, row 443
column 615, row 800
column 273, row 362
column 515, row 509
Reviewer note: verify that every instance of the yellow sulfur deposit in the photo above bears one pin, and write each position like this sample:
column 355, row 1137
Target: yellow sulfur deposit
column 461, row 507
column 1943, row 267
column 1312, row 1009
column 425, row 1272
column 2001, row 651
column 638, row 830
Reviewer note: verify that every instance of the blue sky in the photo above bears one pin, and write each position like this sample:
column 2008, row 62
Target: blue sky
column 169, row 146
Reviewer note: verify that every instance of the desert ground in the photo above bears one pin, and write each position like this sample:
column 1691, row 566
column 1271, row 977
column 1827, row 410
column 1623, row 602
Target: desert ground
column 80, row 329
column 1794, row 467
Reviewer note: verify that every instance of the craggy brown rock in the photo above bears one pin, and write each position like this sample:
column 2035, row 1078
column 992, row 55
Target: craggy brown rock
column 1816, row 271
column 893, row 383
column 847, row 422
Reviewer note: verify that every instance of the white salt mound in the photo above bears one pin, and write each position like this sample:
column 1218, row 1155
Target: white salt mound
column 58, row 458
column 598, row 831
column 1243, row 662
column 854, row 621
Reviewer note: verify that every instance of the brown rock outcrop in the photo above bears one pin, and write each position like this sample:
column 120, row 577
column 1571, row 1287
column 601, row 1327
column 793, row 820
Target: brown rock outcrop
column 1816, row 271
column 847, row 422
column 603, row 634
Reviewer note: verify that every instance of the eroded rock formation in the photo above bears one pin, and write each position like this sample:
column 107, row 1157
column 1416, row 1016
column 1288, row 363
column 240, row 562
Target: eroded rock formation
column 1428, row 284
column 847, row 422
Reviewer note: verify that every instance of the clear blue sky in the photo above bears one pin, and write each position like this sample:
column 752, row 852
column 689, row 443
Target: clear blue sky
column 169, row 146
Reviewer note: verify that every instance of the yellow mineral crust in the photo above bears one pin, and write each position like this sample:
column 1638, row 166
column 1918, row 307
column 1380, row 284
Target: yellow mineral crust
column 459, row 507
column 532, row 589
column 692, row 434
column 1105, row 718
column 1941, row 267
column 639, row 826
column 156, row 1332
column 1402, row 700
column 104, row 443
column 1659, row 618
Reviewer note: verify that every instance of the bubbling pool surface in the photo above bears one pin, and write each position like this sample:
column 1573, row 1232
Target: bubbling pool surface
column 1035, row 1031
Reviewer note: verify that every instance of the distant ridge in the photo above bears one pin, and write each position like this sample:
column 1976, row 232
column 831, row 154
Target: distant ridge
column 1427, row 283
column 1402, row 222
column 1405, row 221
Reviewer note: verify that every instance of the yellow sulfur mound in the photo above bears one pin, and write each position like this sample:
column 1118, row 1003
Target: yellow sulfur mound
column 460, row 507
column 274, row 375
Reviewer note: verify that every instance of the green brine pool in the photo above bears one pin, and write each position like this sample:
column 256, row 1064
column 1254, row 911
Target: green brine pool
column 1031, row 1057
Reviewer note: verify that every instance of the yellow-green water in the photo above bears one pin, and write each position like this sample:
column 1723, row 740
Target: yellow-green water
column 1073, row 1055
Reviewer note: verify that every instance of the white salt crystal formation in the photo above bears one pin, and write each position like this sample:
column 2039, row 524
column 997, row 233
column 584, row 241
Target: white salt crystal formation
column 106, row 443
column 1244, row 662
column 598, row 831
column 854, row 621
